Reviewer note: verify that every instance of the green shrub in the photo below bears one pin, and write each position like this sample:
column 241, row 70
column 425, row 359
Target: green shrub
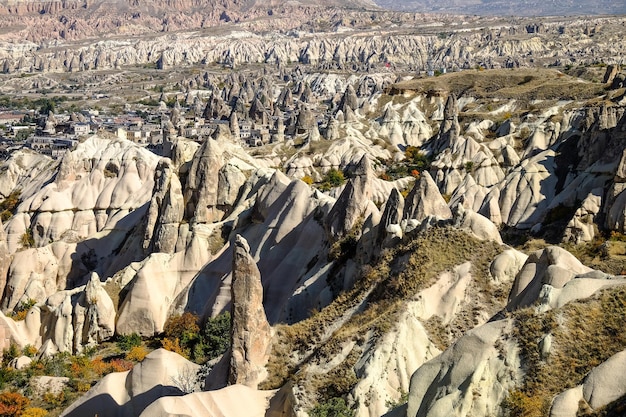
column 7, row 375
column 333, row 178
column 216, row 335
column 12, row 352
column 56, row 365
column 417, row 158
column 30, row 351
column 184, row 336
column 9, row 204
column 127, row 342
column 335, row 407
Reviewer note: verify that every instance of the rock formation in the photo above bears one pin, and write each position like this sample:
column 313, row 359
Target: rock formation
column 425, row 200
column 250, row 331
column 471, row 365
column 161, row 374
column 165, row 211
column 552, row 266
column 5, row 258
column 391, row 216
column 354, row 201
column 202, row 185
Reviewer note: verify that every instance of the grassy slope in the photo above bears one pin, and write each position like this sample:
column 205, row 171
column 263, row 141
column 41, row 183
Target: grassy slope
column 380, row 294
column 510, row 84
column 585, row 333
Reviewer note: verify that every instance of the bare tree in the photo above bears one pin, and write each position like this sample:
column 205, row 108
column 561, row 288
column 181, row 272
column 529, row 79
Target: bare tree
column 187, row 380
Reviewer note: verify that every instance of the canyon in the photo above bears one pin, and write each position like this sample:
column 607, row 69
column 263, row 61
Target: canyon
column 398, row 214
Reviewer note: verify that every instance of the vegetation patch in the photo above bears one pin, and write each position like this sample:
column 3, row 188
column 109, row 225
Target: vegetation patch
column 184, row 336
column 113, row 290
column 127, row 342
column 333, row 178
column 607, row 255
column 334, row 407
column 83, row 370
column 20, row 312
column 415, row 162
column 369, row 310
column 218, row 238
column 9, row 205
column 27, row 240
column 518, row 84
column 585, row 334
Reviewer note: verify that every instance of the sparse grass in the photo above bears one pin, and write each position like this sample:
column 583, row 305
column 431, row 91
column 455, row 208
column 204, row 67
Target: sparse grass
column 404, row 398
column 437, row 332
column 345, row 247
column 608, row 256
column 382, row 288
column 616, row 408
column 27, row 240
column 585, row 334
column 113, row 290
column 617, row 236
column 217, row 239
column 337, row 382
column 20, row 312
column 596, row 254
column 520, row 84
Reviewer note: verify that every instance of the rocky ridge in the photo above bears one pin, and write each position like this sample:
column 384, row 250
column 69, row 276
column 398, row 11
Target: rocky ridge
column 494, row 7
column 411, row 43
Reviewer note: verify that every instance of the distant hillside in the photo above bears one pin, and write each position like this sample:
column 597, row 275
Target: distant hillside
column 41, row 20
column 47, row 6
column 499, row 7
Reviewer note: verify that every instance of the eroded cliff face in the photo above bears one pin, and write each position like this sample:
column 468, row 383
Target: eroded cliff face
column 315, row 35
column 73, row 20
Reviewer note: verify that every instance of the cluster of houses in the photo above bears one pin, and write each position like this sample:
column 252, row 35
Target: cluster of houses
column 55, row 134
